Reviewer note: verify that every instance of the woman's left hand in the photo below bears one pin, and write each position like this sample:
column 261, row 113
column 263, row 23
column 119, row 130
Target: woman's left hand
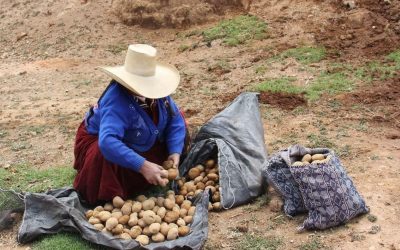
column 175, row 158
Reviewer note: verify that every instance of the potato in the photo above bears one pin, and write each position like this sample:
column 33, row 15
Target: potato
column 217, row 206
column 318, row 157
column 210, row 163
column 104, row 215
column 105, row 231
column 171, row 216
column 172, row 173
column 192, row 210
column 306, row 158
column 186, row 204
column 193, row 173
column 169, row 204
column 180, row 183
column 125, row 236
column 116, row 210
column 183, row 230
column 135, row 231
column 146, row 231
column 129, row 201
column 168, row 164
column 210, row 207
column 95, row 213
column 118, row 229
column 205, row 179
column 183, row 191
column 142, row 239
column 118, row 202
column 171, row 197
column 216, row 197
column 161, row 212
column 133, row 221
column 141, row 198
column 99, row 208
column 153, row 198
column 210, row 183
column 172, row 234
column 164, row 228
column 188, row 219
column 182, row 212
column 190, row 186
column 212, row 188
column 108, row 207
column 179, row 199
column 136, row 207
column 160, row 201
column 93, row 220
column 213, row 171
column 181, row 222
column 126, row 209
column 203, row 174
column 89, row 214
column 148, row 204
column 190, row 194
column 99, row 226
column 159, row 237
column 141, row 223
column 155, row 209
column 158, row 219
column 200, row 186
column 125, row 230
column 198, row 179
column 141, row 214
column 124, row 219
column 149, row 217
column 176, row 208
column 172, row 225
column 116, row 215
column 298, row 164
column 154, row 228
column 317, row 162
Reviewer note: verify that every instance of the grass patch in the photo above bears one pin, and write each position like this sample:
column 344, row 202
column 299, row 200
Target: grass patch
column 25, row 178
column 304, row 55
column 331, row 83
column 64, row 241
column 283, row 85
column 313, row 244
column 254, row 242
column 319, row 141
column 237, row 30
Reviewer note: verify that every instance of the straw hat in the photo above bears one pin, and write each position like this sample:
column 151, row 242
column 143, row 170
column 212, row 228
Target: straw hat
column 143, row 75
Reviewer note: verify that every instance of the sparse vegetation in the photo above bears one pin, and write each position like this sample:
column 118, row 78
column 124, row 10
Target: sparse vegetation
column 283, row 85
column 313, row 244
column 330, row 83
column 304, row 55
column 117, row 48
column 255, row 242
column 64, row 241
column 237, row 30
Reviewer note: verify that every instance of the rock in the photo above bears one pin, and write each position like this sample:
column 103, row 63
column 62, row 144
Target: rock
column 349, row 4
column 22, row 35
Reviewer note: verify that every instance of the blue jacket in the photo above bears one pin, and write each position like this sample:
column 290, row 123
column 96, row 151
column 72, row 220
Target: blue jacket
column 124, row 128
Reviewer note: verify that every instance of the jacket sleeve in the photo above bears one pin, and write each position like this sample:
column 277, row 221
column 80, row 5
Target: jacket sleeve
column 114, row 121
column 175, row 130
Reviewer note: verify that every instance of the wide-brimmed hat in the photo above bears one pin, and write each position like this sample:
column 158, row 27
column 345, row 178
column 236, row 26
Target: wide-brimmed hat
column 143, row 75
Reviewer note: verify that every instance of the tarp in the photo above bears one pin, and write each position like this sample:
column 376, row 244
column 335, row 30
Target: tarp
column 236, row 137
column 61, row 210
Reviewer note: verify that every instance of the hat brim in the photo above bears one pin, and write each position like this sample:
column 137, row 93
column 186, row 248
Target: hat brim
column 163, row 83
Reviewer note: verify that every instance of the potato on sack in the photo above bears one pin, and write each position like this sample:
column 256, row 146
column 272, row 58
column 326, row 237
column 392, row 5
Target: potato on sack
column 146, row 219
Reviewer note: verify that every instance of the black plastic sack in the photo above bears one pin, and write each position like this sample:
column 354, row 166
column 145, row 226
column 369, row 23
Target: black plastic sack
column 236, row 136
column 61, row 210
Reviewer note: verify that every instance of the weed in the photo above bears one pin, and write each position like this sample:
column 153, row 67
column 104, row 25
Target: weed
column 18, row 146
column 25, row 178
column 320, row 141
column 3, row 133
column 183, row 48
column 63, row 241
column 237, row 30
column 37, row 129
column 261, row 69
column 372, row 218
column 313, row 244
column 304, row 55
column 395, row 57
column 116, row 48
column 331, row 83
column 283, row 85
column 362, row 126
column 254, row 242
column 344, row 151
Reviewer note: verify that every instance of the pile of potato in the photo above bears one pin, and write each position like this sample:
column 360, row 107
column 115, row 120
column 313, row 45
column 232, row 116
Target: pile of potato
column 199, row 178
column 311, row 159
column 144, row 219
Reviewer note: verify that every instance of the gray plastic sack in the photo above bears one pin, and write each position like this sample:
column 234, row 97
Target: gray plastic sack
column 236, row 137
column 61, row 210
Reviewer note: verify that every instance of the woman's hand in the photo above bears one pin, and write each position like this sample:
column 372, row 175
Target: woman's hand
column 175, row 158
column 153, row 173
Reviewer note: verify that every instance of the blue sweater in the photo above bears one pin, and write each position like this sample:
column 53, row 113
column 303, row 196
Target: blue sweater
column 124, row 128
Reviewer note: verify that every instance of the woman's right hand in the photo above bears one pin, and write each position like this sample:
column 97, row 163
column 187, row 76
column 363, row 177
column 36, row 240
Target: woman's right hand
column 153, row 173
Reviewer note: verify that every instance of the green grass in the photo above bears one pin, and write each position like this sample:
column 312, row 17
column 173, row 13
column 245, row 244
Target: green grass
column 330, row 83
column 25, row 178
column 320, row 141
column 304, row 55
column 313, row 244
column 254, row 242
column 64, row 241
column 117, row 48
column 394, row 56
column 283, row 85
column 237, row 30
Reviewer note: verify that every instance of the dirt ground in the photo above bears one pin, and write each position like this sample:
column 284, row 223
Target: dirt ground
column 50, row 49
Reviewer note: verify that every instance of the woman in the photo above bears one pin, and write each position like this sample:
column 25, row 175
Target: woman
column 135, row 126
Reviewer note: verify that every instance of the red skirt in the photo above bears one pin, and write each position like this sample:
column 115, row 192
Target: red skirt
column 99, row 180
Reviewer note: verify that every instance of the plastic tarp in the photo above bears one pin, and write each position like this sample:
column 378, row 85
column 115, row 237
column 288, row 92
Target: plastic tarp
column 236, row 137
column 61, row 210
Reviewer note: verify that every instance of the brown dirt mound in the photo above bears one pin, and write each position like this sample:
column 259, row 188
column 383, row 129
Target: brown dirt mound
column 172, row 13
column 283, row 100
column 372, row 28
